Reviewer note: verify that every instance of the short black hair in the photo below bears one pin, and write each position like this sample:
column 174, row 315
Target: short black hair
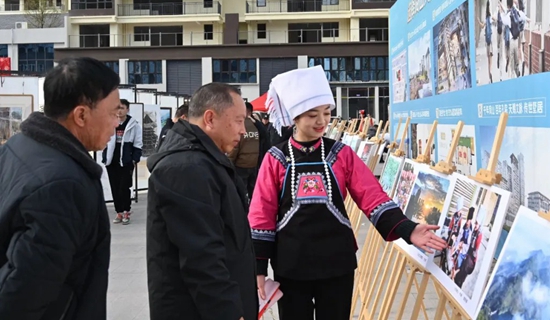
column 125, row 102
column 249, row 107
column 214, row 95
column 74, row 82
column 182, row 110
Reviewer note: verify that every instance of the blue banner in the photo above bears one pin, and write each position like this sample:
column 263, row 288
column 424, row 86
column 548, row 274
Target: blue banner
column 472, row 60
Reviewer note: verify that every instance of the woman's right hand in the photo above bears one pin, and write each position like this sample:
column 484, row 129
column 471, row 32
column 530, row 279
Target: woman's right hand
column 261, row 286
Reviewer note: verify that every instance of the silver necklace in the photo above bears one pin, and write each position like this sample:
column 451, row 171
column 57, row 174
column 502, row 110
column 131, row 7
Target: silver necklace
column 293, row 172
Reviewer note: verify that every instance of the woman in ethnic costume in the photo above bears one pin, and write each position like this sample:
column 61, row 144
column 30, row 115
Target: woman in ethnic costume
column 297, row 212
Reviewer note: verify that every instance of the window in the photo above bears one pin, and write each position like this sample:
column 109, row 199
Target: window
column 12, row 5
column 35, row 58
column 262, row 31
column 144, row 72
column 208, row 32
column 113, row 65
column 91, row 4
column 260, row 3
column 234, row 70
column 94, row 36
column 208, row 3
column 3, row 50
column 330, row 2
column 330, row 30
column 141, row 34
column 341, row 69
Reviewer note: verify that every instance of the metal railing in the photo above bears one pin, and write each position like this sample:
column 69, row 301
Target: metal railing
column 292, row 6
column 169, row 9
column 33, row 6
column 216, row 38
column 315, row 35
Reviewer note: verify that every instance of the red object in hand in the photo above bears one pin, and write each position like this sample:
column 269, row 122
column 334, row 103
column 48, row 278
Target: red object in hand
column 5, row 64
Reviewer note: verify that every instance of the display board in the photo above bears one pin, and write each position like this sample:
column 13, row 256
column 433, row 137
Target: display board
column 451, row 60
column 14, row 109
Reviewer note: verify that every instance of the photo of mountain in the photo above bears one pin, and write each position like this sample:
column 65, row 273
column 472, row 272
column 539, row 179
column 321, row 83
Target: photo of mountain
column 520, row 285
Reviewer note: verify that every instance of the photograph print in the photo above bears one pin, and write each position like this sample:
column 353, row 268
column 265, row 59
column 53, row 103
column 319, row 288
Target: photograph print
column 10, row 122
column 165, row 115
column 508, row 37
column 471, row 226
column 405, row 183
column 419, row 66
column 452, row 51
column 519, row 287
column 366, row 150
column 390, row 174
column 399, row 83
column 427, row 197
column 521, row 168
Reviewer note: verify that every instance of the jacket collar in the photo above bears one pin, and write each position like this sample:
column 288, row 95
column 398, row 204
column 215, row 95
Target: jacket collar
column 185, row 128
column 52, row 134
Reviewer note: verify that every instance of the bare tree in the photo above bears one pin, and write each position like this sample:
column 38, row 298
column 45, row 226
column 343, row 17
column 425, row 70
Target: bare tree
column 43, row 14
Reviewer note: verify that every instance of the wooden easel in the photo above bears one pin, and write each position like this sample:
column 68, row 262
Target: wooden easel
column 447, row 167
column 489, row 176
column 383, row 266
column 425, row 157
column 400, row 152
column 373, row 161
column 393, row 145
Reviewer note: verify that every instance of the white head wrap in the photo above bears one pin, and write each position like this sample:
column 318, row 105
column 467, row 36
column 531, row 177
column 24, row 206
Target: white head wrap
column 297, row 91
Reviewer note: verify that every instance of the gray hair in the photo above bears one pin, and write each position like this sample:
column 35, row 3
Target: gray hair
column 213, row 96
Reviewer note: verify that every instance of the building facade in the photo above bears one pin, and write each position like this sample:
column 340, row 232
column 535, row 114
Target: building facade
column 176, row 46
column 30, row 30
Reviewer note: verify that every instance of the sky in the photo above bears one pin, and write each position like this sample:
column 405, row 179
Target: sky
column 531, row 143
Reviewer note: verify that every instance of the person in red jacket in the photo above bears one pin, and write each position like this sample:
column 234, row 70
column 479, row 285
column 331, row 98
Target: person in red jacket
column 297, row 213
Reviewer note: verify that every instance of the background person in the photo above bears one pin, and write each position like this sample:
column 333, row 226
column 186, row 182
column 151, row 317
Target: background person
column 181, row 113
column 54, row 226
column 120, row 157
column 200, row 259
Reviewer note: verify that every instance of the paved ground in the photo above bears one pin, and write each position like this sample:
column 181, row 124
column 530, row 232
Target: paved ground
column 127, row 297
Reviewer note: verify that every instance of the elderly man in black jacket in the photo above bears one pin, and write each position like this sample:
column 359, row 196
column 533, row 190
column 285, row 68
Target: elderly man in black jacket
column 54, row 226
column 200, row 259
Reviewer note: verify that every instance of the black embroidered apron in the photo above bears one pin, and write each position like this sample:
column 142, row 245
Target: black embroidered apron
column 314, row 237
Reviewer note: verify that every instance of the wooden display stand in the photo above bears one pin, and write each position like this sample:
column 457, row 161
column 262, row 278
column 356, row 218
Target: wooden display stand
column 447, row 167
column 489, row 176
column 400, row 152
column 393, row 145
column 425, row 157
column 373, row 161
column 386, row 273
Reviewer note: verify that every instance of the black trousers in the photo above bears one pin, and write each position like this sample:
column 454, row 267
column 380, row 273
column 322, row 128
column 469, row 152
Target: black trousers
column 330, row 299
column 248, row 176
column 120, row 179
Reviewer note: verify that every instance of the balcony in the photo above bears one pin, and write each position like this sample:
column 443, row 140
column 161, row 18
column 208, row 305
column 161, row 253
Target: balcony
column 366, row 35
column 145, row 39
column 92, row 8
column 296, row 6
column 314, row 36
column 170, row 9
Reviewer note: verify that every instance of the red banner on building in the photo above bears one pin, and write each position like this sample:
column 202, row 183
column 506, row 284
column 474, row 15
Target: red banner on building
column 5, row 64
